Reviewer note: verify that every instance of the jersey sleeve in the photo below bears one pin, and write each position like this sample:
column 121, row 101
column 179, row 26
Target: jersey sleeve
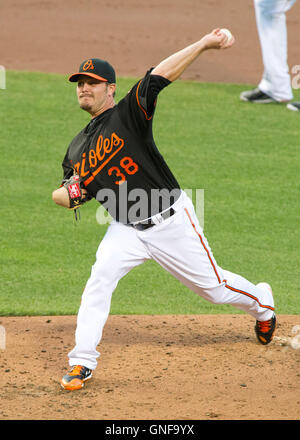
column 138, row 106
column 68, row 171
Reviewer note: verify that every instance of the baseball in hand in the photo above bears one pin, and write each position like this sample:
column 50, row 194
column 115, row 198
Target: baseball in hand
column 228, row 34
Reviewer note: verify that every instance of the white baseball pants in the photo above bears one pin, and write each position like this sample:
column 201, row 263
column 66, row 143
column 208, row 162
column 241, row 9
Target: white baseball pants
column 178, row 245
column 272, row 31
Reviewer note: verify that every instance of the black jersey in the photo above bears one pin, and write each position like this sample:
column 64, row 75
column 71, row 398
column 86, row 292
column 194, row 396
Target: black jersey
column 117, row 159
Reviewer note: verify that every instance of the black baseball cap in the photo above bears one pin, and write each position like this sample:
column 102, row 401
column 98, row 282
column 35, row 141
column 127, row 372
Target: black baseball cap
column 95, row 68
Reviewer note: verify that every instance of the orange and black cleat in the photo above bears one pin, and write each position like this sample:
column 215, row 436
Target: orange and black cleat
column 76, row 377
column 265, row 330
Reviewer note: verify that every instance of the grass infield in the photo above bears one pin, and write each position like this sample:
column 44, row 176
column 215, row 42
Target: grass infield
column 244, row 156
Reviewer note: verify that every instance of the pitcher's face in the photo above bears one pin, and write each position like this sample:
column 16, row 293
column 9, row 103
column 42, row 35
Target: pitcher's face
column 94, row 96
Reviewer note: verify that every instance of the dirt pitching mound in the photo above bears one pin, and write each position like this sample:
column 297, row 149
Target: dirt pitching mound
column 152, row 368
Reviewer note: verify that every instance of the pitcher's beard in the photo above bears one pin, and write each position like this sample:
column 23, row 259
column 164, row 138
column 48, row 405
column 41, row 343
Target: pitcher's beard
column 85, row 106
column 86, row 103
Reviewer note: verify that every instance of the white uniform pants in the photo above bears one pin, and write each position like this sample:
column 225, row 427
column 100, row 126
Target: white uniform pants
column 179, row 246
column 272, row 31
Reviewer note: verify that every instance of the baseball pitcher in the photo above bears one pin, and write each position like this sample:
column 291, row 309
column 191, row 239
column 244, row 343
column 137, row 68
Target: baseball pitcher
column 115, row 160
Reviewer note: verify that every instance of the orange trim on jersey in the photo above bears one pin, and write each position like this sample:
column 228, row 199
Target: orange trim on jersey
column 206, row 250
column 142, row 108
column 249, row 295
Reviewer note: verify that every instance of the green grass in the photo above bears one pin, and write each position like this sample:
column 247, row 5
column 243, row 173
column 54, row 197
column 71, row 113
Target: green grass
column 245, row 157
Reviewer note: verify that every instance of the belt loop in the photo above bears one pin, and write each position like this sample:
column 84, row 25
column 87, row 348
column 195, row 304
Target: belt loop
column 157, row 218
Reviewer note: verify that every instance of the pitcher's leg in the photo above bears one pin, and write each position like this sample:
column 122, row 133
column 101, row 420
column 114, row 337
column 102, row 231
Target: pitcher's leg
column 243, row 294
column 119, row 251
column 183, row 250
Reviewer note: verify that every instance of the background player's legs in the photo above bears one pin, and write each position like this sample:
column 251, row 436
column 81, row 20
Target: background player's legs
column 119, row 252
column 272, row 31
column 178, row 244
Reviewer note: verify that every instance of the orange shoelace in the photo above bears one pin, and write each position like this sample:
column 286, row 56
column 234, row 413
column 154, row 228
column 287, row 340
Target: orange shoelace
column 264, row 326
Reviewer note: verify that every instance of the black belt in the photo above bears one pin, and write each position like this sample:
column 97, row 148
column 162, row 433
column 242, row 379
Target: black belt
column 149, row 223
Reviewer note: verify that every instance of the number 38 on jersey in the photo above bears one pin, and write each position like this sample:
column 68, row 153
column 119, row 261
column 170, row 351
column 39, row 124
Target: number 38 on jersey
column 128, row 167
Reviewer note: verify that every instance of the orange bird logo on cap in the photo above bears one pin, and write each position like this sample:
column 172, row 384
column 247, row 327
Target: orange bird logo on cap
column 88, row 65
